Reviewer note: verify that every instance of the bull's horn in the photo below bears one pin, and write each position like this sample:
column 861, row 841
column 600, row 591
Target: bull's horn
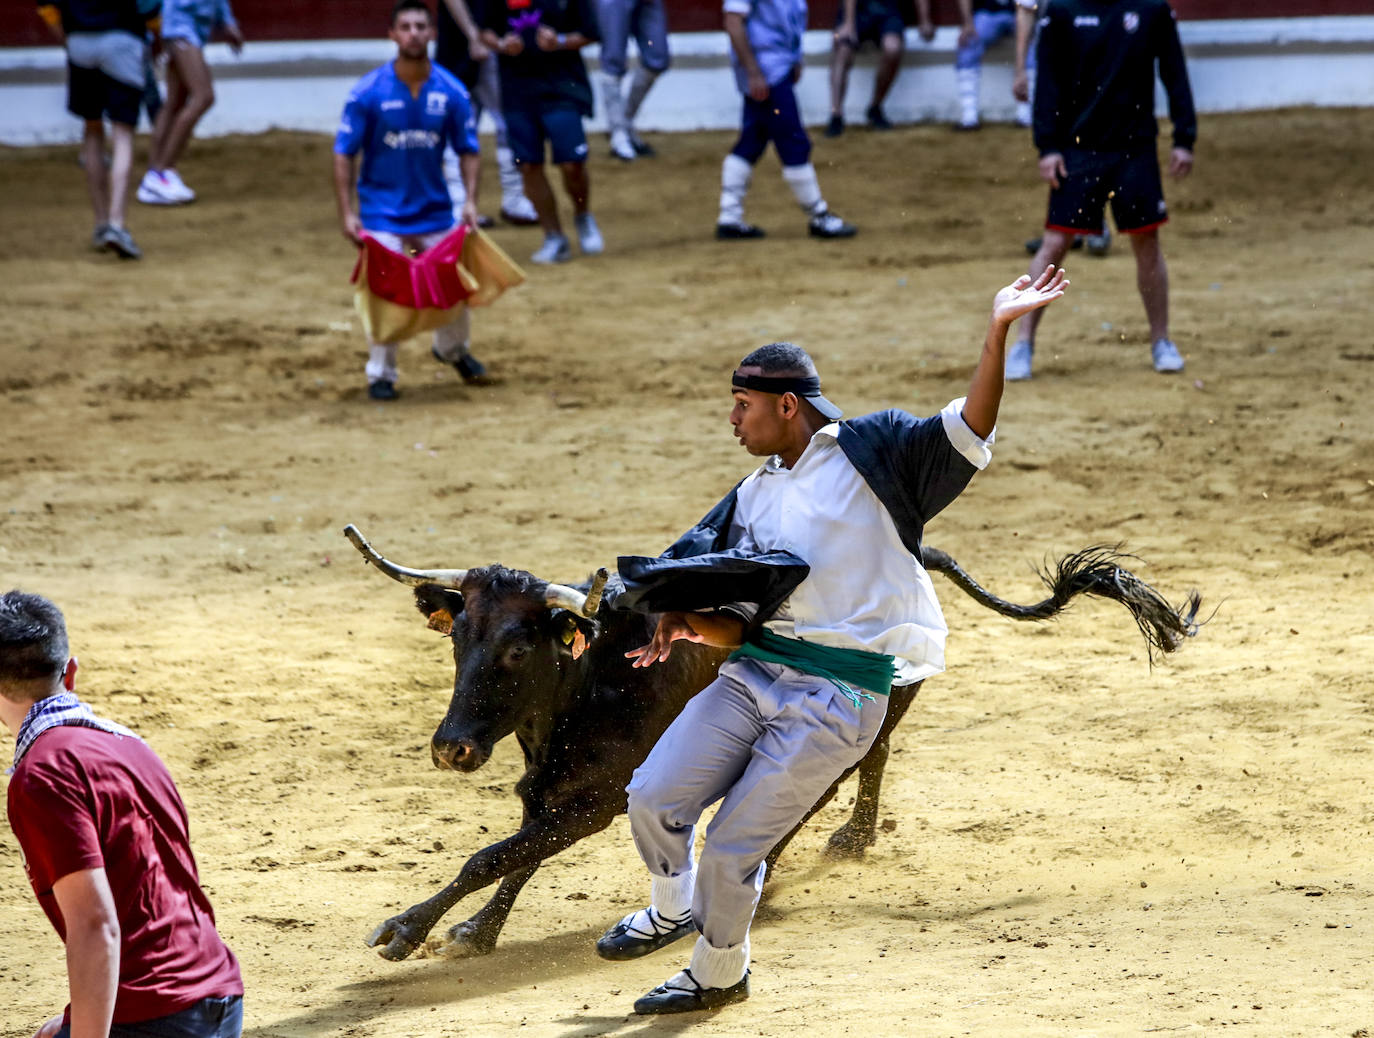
column 449, row 578
column 560, row 596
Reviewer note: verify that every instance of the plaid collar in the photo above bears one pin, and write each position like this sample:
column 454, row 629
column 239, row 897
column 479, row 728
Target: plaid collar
column 60, row 709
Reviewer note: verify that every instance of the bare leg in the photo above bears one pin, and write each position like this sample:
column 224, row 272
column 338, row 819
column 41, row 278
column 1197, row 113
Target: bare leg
column 889, row 61
column 121, row 162
column 841, row 61
column 188, row 64
column 1152, row 279
column 175, row 100
column 577, row 183
column 93, row 164
column 538, row 191
column 1052, row 250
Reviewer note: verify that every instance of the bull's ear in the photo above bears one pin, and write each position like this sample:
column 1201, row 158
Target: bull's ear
column 440, row 604
column 574, row 633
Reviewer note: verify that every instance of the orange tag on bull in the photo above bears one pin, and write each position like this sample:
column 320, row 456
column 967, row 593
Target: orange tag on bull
column 579, row 644
column 441, row 620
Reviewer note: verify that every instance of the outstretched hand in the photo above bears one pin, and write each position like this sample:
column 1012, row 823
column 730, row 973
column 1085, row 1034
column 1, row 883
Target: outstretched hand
column 1024, row 295
column 671, row 627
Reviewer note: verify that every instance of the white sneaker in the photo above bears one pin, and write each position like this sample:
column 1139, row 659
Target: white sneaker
column 1019, row 361
column 179, row 188
column 154, row 189
column 1166, row 356
column 622, row 147
column 554, row 250
column 589, row 238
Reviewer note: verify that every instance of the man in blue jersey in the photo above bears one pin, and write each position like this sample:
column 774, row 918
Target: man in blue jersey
column 401, row 116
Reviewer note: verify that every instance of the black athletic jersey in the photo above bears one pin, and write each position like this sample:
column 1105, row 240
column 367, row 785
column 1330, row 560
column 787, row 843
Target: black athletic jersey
column 995, row 6
column 1095, row 76
column 534, row 73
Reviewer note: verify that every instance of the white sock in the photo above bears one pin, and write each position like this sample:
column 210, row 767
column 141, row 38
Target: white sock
column 512, row 183
column 381, row 362
column 806, row 187
column 966, row 83
column 719, row 967
column 672, row 895
column 614, row 101
column 735, row 175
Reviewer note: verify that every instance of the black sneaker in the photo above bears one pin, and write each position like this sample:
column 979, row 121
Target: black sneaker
column 642, row 148
column 682, row 994
column 382, row 389
column 829, row 225
column 737, row 231
column 469, row 368
column 877, row 119
column 835, row 127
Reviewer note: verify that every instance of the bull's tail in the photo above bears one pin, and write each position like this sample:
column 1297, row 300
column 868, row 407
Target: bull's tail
column 1093, row 571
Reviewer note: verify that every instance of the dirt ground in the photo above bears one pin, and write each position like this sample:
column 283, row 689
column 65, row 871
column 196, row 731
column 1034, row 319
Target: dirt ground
column 1072, row 844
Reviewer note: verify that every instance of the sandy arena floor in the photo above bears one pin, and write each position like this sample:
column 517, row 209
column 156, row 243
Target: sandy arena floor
column 1073, row 844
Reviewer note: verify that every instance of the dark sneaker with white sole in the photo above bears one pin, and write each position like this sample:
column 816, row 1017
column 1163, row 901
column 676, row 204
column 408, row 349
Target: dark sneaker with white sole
column 737, row 231
column 641, row 933
column 682, row 994
column 829, row 225
column 382, row 389
column 469, row 368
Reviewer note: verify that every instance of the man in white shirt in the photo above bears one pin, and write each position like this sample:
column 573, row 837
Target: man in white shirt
column 810, row 569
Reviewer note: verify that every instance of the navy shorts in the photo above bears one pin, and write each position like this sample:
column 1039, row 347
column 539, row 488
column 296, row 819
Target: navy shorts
column 208, row 1018
column 558, row 121
column 874, row 19
column 1129, row 180
column 92, row 95
column 776, row 120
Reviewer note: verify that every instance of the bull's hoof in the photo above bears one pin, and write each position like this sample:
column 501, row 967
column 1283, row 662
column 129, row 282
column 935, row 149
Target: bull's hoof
column 850, row 841
column 400, row 935
column 466, row 940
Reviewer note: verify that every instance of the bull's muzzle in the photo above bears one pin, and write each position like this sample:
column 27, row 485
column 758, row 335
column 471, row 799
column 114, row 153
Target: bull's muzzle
column 457, row 754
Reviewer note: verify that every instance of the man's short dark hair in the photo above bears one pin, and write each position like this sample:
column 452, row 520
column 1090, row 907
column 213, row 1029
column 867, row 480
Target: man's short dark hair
column 401, row 6
column 781, row 358
column 33, row 639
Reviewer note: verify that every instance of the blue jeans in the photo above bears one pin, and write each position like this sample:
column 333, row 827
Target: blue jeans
column 208, row 1018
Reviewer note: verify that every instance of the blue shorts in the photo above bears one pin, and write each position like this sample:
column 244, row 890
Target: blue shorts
column 190, row 20
column 1129, row 180
column 874, row 19
column 776, row 120
column 208, row 1018
column 557, row 121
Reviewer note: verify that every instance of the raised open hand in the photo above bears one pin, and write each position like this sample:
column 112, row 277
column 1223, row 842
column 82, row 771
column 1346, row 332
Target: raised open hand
column 1023, row 295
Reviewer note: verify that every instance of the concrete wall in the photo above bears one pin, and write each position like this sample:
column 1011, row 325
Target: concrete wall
column 1235, row 65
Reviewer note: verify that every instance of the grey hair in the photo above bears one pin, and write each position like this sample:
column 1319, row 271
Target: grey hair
column 781, row 358
column 33, row 638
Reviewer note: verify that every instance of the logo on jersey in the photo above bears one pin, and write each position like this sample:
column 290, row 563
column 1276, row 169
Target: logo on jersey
column 1085, row 19
column 405, row 140
column 389, row 105
column 1130, row 21
column 1162, row 208
column 436, row 103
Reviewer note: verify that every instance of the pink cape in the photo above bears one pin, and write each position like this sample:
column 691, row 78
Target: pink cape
column 399, row 296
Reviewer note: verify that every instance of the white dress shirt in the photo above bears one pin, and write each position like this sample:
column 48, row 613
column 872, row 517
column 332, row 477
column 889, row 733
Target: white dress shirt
column 865, row 589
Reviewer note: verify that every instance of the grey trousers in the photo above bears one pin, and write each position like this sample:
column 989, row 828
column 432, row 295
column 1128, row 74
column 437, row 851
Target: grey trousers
column 766, row 741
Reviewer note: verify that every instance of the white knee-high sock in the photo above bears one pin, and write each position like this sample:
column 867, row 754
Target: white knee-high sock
column 806, row 186
column 672, row 895
column 614, row 101
column 966, row 83
column 735, row 175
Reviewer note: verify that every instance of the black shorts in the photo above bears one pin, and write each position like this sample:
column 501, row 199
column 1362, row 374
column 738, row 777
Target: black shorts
column 1129, row 180
column 92, row 95
column 873, row 19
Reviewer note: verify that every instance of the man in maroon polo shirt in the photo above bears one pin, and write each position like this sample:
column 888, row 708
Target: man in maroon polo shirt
column 105, row 841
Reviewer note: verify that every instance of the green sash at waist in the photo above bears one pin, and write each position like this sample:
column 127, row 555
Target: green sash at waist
column 847, row 668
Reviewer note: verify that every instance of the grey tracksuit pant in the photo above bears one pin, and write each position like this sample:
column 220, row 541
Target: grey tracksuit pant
column 766, row 740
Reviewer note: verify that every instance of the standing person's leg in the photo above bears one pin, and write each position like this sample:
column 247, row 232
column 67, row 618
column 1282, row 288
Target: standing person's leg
column 515, row 207
column 613, row 19
column 568, row 144
column 1053, row 247
column 890, row 50
column 121, row 163
column 1139, row 209
column 968, row 64
column 451, row 343
column 693, row 764
column 526, row 132
column 811, row 732
column 650, row 27
column 841, row 62
column 737, row 171
column 189, row 60
column 381, row 356
column 154, row 189
column 783, row 124
column 97, row 180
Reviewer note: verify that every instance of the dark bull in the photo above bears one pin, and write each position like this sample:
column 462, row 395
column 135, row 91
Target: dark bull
column 545, row 663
